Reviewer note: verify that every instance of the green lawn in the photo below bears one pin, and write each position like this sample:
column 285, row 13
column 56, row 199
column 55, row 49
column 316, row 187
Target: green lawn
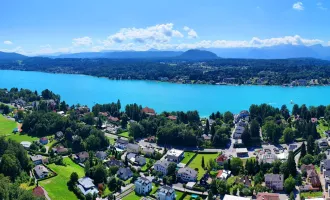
column 187, row 157
column 154, row 189
column 57, row 186
column 124, row 134
column 231, row 180
column 178, row 194
column 6, row 126
column 144, row 168
column 321, row 128
column 132, row 196
column 6, row 129
column 196, row 163
column 307, row 195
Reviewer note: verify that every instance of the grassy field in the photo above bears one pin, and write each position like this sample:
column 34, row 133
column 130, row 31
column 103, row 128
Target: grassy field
column 178, row 194
column 321, row 128
column 57, row 186
column 144, row 167
column 307, row 195
column 187, row 157
column 6, row 129
column 124, row 134
column 154, row 189
column 6, row 126
column 196, row 163
column 132, row 196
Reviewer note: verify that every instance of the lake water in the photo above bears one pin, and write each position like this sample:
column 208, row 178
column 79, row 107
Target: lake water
column 88, row 90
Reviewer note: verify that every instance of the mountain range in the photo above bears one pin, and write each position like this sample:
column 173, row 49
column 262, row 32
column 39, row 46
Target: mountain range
column 274, row 52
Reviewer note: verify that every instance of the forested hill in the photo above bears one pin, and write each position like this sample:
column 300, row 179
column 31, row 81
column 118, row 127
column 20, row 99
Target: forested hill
column 215, row 71
column 195, row 54
column 11, row 56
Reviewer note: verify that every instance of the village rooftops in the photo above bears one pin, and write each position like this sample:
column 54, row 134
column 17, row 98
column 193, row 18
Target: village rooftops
column 241, row 150
column 188, row 170
column 38, row 191
column 36, row 158
column 122, row 141
column 166, row 189
column 143, row 181
column 267, row 196
column 149, row 111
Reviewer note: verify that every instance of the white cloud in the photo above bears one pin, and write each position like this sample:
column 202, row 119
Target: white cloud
column 158, row 33
column 191, row 32
column 320, row 6
column 298, row 6
column 83, row 41
column 8, row 42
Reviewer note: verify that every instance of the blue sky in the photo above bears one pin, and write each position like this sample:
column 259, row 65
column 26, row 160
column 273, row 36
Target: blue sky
column 43, row 27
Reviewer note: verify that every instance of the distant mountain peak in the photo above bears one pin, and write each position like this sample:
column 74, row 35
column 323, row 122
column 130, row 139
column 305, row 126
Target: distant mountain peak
column 197, row 54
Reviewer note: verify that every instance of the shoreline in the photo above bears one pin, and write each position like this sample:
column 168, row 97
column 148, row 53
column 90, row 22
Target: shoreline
column 172, row 82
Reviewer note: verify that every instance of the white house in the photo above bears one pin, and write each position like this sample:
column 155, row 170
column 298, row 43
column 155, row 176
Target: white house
column 274, row 181
column 161, row 166
column 142, row 186
column 41, row 171
column 87, row 186
column 175, row 155
column 187, row 174
column 165, row 193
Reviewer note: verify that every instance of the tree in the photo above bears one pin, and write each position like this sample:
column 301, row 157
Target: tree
column 295, row 109
column 258, row 178
column 289, row 184
column 291, row 196
column 288, row 135
column 203, row 164
column 99, row 174
column 212, row 130
column 20, row 114
column 124, row 120
column 74, row 178
column 228, row 117
column 171, row 169
column 246, row 137
column 255, row 128
column 292, row 169
column 210, row 195
column 307, row 159
column 236, row 164
column 303, row 150
column 310, row 145
column 99, row 123
column 10, row 166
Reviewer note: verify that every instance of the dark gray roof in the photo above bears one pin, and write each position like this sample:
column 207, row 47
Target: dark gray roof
column 327, row 173
column 114, row 162
column 166, row 189
column 327, row 164
column 143, row 181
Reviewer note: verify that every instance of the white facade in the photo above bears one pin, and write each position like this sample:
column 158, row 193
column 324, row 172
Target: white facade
column 161, row 166
column 187, row 174
column 142, row 186
column 165, row 193
column 175, row 155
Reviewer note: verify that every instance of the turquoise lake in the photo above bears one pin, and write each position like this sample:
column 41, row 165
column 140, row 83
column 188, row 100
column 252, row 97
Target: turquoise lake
column 161, row 96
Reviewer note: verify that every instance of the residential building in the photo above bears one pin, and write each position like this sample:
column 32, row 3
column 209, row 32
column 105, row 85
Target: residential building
column 241, row 152
column 187, row 174
column 59, row 135
column 147, row 151
column 121, row 143
column 43, row 140
column 274, row 181
column 207, row 136
column 165, row 193
column 161, row 166
column 40, row 171
column 293, row 147
column 221, row 159
column 60, row 150
column 86, row 186
column 101, row 155
column 26, row 144
column 323, row 143
column 36, row 159
column 223, row 174
column 206, row 180
column 81, row 156
column 268, row 196
column 175, row 155
column 124, row 173
column 238, row 131
column 172, row 117
column 308, row 188
column 114, row 163
column 232, row 197
column 143, row 186
column 267, row 158
column 325, row 165
column 313, row 178
column 38, row 192
column 245, row 180
column 140, row 160
column 149, row 111
column 133, row 148
column 113, row 119
column 305, row 168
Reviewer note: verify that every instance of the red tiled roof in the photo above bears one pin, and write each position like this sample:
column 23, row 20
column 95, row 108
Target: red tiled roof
column 222, row 158
column 38, row 191
column 114, row 119
column 44, row 139
column 171, row 117
column 148, row 110
column 267, row 196
column 219, row 173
